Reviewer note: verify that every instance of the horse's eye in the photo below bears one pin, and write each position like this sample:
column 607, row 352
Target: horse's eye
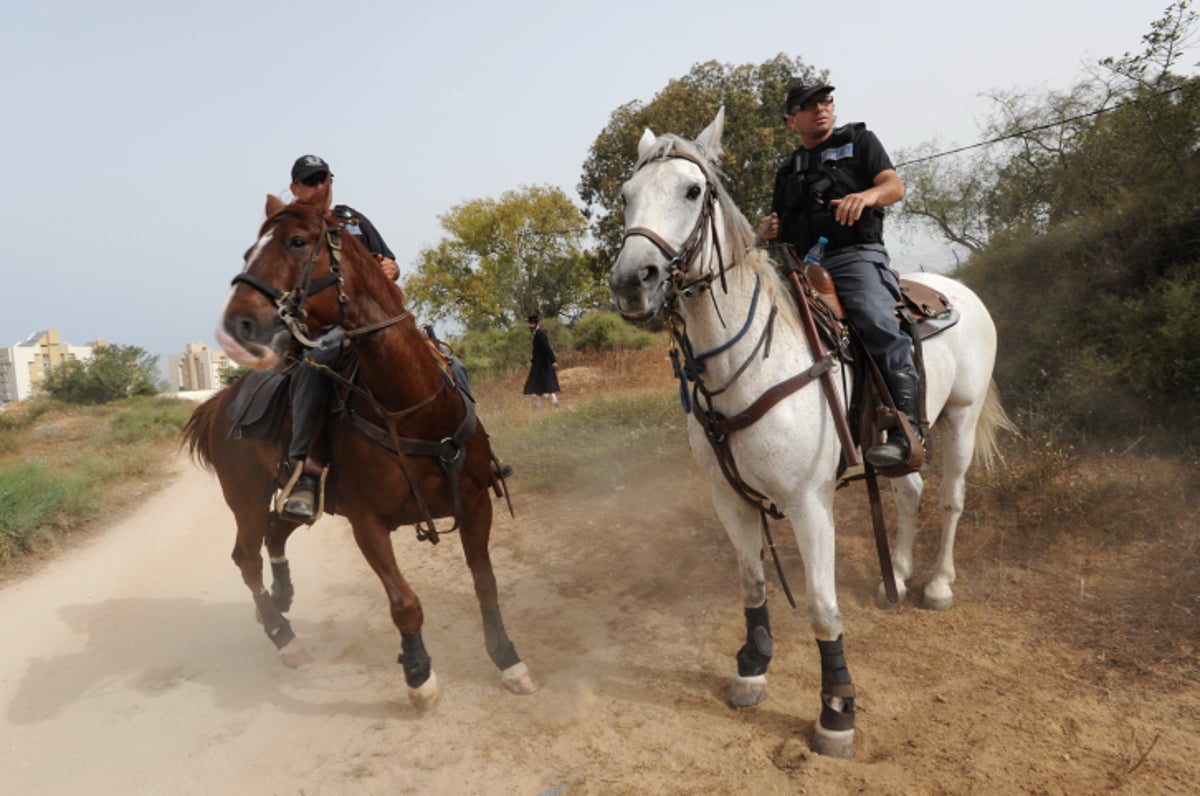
column 297, row 242
column 693, row 192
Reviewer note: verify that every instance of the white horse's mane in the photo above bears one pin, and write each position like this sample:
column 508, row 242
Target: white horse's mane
column 737, row 232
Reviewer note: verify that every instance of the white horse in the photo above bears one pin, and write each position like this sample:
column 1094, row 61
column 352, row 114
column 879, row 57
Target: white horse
column 689, row 249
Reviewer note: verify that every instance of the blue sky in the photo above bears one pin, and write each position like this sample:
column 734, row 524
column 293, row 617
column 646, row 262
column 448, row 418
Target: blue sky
column 144, row 136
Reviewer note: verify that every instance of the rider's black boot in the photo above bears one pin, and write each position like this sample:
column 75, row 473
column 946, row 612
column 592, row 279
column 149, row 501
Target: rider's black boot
column 302, row 503
column 895, row 451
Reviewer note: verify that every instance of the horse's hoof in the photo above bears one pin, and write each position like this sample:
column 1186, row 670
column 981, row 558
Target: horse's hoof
column 746, row 692
column 938, row 603
column 426, row 696
column 833, row 743
column 882, row 601
column 294, row 656
column 516, row 678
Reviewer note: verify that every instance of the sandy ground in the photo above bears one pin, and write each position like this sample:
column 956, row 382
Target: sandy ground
column 134, row 666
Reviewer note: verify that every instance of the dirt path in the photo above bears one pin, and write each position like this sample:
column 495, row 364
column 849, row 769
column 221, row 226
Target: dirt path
column 134, row 666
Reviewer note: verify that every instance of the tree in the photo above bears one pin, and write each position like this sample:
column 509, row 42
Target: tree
column 756, row 137
column 232, row 373
column 1127, row 130
column 113, row 372
column 1087, row 208
column 505, row 259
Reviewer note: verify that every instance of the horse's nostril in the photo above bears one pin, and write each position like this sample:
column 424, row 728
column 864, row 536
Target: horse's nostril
column 649, row 274
column 243, row 327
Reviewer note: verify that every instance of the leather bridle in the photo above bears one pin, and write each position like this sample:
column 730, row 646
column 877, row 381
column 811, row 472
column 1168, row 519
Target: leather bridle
column 290, row 304
column 680, row 260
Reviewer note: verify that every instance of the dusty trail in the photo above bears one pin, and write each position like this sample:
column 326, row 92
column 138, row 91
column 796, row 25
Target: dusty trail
column 133, row 665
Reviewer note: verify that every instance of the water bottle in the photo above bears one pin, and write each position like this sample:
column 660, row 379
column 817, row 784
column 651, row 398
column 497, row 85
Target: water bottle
column 819, row 278
column 817, row 251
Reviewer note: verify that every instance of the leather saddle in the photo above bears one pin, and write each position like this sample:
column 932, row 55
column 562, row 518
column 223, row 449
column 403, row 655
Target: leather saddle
column 922, row 313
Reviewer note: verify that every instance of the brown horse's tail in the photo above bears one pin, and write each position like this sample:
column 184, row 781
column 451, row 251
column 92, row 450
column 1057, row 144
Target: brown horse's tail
column 197, row 432
column 992, row 420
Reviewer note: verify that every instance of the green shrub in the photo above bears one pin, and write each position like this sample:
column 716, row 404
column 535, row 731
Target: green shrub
column 604, row 330
column 34, row 496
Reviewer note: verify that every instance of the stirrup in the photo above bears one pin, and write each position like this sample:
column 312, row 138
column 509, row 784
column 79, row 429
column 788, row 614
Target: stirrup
column 892, row 453
column 302, row 502
column 299, row 497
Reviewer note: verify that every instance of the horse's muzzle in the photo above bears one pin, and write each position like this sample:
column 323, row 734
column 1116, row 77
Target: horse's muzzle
column 249, row 342
column 637, row 290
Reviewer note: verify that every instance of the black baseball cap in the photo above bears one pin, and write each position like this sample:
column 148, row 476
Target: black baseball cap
column 800, row 92
column 308, row 165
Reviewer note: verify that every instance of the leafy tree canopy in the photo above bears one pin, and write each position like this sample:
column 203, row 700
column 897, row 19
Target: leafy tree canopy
column 112, row 373
column 756, row 136
column 507, row 258
column 1127, row 130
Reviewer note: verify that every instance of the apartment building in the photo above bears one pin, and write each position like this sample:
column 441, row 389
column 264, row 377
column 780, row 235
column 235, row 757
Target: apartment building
column 26, row 365
column 198, row 368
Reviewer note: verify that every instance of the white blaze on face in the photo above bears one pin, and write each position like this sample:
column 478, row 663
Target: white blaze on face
column 232, row 347
column 257, row 250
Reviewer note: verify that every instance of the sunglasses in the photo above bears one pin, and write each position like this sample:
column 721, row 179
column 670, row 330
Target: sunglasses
column 314, row 180
column 824, row 102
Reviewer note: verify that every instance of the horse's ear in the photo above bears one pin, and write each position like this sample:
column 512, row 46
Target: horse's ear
column 274, row 204
column 710, row 139
column 647, row 140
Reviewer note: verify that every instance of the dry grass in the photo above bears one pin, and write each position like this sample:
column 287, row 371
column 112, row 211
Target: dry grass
column 1119, row 532
column 66, row 471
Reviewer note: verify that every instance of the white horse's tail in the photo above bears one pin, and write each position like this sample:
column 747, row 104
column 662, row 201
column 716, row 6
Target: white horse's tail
column 992, row 420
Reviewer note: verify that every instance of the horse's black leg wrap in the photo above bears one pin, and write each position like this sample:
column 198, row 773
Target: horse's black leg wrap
column 415, row 660
column 499, row 647
column 835, row 682
column 755, row 655
column 281, row 585
column 278, row 629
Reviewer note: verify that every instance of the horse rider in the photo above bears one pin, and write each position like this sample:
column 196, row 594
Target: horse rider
column 836, row 185
column 309, row 393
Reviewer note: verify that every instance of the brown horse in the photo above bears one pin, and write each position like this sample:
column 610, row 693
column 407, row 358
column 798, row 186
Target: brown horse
column 414, row 450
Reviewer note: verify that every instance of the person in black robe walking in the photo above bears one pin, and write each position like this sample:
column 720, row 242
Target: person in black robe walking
column 543, row 376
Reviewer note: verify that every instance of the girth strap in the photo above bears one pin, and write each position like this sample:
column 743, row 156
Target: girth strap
column 449, row 452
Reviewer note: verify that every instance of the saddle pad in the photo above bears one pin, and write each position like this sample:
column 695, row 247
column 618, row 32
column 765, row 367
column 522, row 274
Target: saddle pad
column 257, row 408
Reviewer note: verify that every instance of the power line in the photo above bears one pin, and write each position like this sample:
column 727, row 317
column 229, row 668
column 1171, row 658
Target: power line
column 1038, row 129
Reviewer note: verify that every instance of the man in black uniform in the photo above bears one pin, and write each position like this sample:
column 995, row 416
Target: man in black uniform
column 836, row 185
column 308, row 391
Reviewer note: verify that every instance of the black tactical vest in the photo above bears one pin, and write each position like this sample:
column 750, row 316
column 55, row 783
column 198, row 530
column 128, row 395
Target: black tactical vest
column 808, row 180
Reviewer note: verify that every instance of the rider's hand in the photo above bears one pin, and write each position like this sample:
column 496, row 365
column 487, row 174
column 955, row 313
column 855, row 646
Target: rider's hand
column 849, row 209
column 390, row 269
column 768, row 228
